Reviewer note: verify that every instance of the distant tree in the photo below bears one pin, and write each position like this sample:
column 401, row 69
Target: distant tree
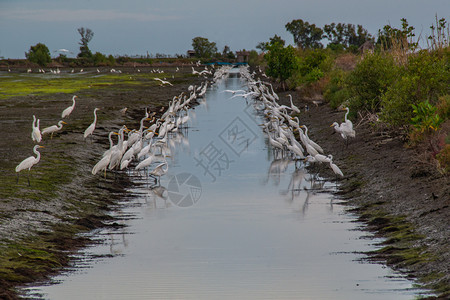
column 225, row 51
column 346, row 35
column 86, row 36
column 263, row 46
column 402, row 38
column 306, row 35
column 281, row 61
column 203, row 47
column 39, row 54
column 276, row 39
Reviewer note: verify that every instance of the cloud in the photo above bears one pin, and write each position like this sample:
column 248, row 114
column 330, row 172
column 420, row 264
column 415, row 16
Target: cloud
column 68, row 15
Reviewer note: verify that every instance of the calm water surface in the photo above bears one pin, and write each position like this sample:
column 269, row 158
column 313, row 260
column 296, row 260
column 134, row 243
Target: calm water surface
column 231, row 219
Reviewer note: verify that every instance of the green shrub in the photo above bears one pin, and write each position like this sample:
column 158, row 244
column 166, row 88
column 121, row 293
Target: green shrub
column 39, row 54
column 336, row 91
column 370, row 79
column 425, row 117
column 312, row 61
column 100, row 59
column 425, row 77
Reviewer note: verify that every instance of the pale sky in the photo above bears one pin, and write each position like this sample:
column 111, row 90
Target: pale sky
column 135, row 27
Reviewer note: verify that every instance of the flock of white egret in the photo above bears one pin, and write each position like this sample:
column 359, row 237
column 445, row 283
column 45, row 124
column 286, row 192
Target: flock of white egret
column 282, row 124
column 148, row 144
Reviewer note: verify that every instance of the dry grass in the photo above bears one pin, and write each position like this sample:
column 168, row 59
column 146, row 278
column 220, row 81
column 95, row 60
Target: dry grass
column 347, row 61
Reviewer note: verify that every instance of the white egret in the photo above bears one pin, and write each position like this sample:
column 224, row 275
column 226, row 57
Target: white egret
column 293, row 107
column 146, row 162
column 339, row 130
column 159, row 171
column 311, row 142
column 117, row 151
column 29, row 162
column 91, row 128
column 336, row 169
column 145, row 150
column 52, row 129
column 347, row 126
column 69, row 109
column 36, row 133
column 102, row 164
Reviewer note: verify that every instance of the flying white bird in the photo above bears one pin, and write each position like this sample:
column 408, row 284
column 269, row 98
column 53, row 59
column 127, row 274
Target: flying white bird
column 163, row 82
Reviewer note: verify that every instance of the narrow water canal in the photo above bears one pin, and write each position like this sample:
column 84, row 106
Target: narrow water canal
column 230, row 220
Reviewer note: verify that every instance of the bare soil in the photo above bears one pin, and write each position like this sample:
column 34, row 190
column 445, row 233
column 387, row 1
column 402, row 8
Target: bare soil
column 385, row 183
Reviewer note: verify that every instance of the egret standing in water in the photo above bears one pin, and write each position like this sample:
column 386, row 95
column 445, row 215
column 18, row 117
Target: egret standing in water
column 29, row 162
column 52, row 129
column 160, row 171
column 91, row 128
column 69, row 110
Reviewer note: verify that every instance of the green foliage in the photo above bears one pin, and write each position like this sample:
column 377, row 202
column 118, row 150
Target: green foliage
column 255, row 59
column 425, row 117
column 203, row 47
column 313, row 75
column 336, row 91
column 263, row 46
column 39, row 54
column 100, row 59
column 370, row 79
column 281, row 61
column 424, row 78
column 391, row 37
column 311, row 61
column 306, row 36
column 313, row 65
column 346, row 35
column 439, row 38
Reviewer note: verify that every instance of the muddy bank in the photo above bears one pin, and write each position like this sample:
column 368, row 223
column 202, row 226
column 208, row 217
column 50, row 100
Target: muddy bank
column 397, row 195
column 40, row 223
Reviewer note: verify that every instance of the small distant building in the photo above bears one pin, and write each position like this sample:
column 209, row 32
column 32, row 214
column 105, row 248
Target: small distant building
column 242, row 56
column 191, row 53
column 368, row 46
